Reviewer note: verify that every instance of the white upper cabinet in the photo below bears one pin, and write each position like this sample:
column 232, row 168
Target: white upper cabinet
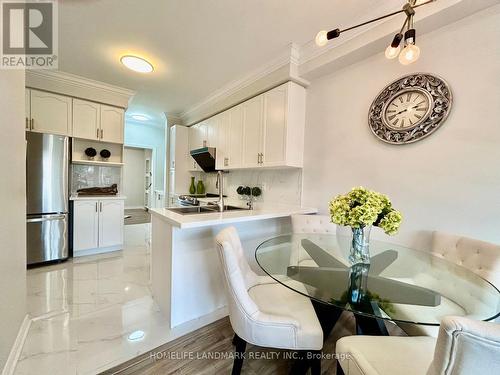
column 252, row 132
column 234, row 137
column 211, row 124
column 59, row 114
column 265, row 131
column 274, row 129
column 86, row 119
column 111, row 124
column 180, row 160
column 221, row 125
column 197, row 136
column 50, row 113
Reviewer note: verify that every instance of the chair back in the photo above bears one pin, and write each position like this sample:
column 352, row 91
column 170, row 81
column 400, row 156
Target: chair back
column 309, row 224
column 465, row 347
column 239, row 278
column 481, row 257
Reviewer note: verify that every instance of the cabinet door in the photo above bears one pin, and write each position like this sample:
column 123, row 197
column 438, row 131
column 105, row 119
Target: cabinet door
column 27, row 105
column 235, row 137
column 221, row 152
column 86, row 119
column 195, row 137
column 111, row 216
column 50, row 113
column 111, row 124
column 85, row 225
column 274, row 128
column 173, row 144
column 212, row 125
column 198, row 136
column 252, row 126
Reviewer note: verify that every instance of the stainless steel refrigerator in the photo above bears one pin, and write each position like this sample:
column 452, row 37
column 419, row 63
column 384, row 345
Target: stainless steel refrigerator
column 47, row 163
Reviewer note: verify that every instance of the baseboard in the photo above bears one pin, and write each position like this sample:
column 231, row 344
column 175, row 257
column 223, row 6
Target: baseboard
column 136, row 208
column 101, row 250
column 17, row 347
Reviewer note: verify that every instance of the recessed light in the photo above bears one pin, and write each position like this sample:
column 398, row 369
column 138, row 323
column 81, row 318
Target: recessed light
column 140, row 117
column 136, row 336
column 137, row 64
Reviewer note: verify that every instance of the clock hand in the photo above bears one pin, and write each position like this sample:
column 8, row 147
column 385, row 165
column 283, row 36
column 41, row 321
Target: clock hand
column 406, row 109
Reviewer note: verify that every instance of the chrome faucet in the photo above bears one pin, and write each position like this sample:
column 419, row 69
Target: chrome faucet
column 220, row 185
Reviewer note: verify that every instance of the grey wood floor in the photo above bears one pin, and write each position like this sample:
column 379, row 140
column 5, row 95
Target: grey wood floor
column 216, row 339
column 137, row 216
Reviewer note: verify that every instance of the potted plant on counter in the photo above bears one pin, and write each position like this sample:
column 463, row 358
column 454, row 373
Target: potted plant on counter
column 361, row 209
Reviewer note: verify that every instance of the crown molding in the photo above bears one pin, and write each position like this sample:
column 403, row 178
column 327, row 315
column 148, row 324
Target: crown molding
column 77, row 86
column 280, row 70
column 151, row 124
column 173, row 119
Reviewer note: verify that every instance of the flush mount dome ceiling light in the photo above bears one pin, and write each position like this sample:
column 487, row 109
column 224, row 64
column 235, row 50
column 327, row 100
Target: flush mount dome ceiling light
column 410, row 51
column 140, row 117
column 137, row 64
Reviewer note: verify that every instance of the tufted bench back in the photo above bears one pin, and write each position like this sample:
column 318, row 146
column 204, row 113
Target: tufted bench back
column 309, row 224
column 481, row 257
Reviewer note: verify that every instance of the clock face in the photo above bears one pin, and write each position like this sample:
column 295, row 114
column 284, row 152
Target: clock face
column 407, row 109
column 410, row 108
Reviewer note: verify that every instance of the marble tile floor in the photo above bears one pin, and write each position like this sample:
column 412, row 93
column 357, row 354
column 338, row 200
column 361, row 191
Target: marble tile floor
column 84, row 310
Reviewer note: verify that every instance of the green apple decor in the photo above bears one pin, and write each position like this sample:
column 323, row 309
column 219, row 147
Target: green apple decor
column 361, row 209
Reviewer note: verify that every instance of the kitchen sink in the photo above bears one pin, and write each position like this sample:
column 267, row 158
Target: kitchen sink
column 202, row 209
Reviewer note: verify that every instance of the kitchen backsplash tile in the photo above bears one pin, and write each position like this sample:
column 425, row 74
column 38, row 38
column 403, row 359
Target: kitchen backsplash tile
column 84, row 176
column 278, row 186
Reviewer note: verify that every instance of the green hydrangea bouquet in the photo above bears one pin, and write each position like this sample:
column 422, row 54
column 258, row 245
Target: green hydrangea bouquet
column 362, row 207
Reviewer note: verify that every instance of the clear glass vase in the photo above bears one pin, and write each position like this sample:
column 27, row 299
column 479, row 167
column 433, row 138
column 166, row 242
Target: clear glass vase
column 360, row 245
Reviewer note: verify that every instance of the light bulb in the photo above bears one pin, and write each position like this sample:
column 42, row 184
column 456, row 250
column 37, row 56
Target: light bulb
column 321, row 38
column 409, row 54
column 391, row 52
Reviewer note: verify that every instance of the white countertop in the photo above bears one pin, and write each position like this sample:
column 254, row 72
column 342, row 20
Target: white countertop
column 238, row 216
column 96, row 197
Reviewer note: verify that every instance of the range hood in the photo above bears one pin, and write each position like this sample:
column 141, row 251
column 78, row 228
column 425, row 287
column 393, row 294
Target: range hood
column 205, row 157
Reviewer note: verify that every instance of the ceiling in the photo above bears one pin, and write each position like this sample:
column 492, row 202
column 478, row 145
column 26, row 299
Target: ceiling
column 196, row 46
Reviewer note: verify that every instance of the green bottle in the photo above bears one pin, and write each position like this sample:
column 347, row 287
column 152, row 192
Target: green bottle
column 192, row 188
column 200, row 188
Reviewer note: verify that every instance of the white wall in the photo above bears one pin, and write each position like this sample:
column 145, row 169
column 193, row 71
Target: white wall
column 13, row 203
column 139, row 134
column 133, row 177
column 449, row 181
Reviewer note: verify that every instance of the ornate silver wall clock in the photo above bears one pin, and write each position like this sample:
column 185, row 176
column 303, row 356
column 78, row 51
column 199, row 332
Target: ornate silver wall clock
column 410, row 108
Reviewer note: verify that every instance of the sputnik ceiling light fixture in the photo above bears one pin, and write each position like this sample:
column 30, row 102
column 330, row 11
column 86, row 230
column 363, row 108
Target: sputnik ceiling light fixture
column 410, row 51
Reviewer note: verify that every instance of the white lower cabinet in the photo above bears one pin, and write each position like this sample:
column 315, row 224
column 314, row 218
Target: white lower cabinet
column 97, row 226
column 85, row 225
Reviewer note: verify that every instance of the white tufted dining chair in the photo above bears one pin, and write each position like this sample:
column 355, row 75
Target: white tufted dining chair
column 463, row 347
column 480, row 257
column 309, row 224
column 318, row 224
column 263, row 312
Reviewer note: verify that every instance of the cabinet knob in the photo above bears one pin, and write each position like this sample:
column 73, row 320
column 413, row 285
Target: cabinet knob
column 97, row 134
column 32, row 123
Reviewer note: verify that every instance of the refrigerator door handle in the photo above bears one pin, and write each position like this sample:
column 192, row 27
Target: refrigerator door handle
column 47, row 218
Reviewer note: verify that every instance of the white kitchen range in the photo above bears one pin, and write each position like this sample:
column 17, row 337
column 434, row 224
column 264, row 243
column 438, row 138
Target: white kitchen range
column 250, row 187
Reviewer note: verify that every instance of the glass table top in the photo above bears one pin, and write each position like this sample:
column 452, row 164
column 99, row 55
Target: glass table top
column 400, row 284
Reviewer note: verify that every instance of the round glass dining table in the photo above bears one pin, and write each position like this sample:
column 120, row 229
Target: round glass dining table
column 400, row 284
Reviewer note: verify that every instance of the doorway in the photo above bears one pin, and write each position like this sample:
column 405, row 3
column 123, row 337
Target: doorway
column 138, row 182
